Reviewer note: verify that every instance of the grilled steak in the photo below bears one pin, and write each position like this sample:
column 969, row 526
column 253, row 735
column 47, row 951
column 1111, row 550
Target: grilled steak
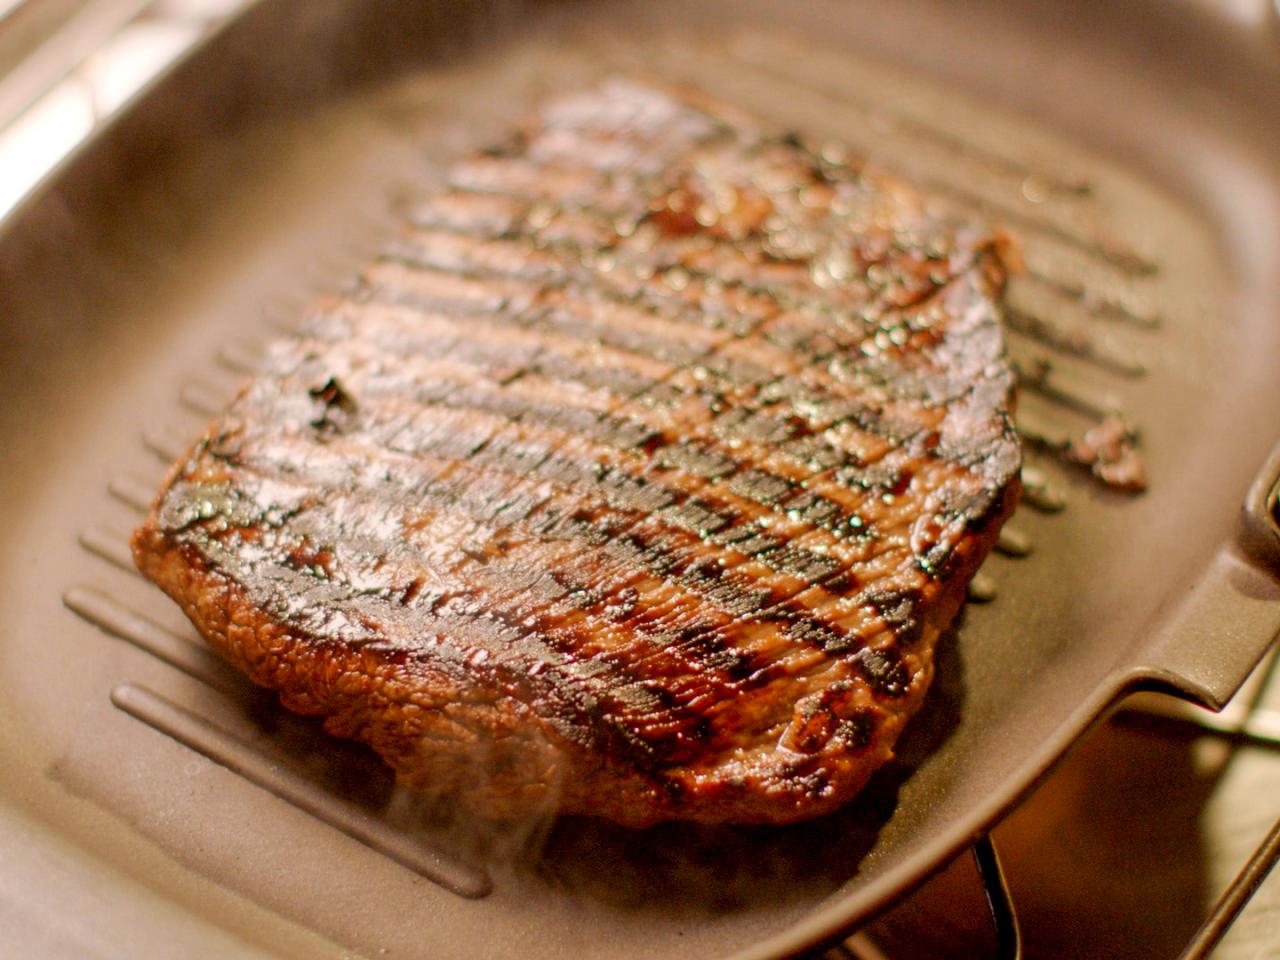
column 637, row 477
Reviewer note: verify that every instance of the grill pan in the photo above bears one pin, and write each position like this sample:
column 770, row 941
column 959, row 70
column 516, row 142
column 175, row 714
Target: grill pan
column 152, row 803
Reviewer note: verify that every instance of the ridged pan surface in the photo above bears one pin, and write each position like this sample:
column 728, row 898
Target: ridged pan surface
column 131, row 318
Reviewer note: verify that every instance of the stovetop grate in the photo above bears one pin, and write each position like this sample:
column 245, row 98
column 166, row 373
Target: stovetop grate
column 1245, row 720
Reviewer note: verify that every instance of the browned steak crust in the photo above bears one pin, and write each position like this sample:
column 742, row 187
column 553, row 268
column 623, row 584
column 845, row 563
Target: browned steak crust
column 637, row 478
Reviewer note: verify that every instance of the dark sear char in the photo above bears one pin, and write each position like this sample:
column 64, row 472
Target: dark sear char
column 637, row 478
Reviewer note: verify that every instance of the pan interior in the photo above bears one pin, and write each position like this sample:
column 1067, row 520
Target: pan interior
column 1124, row 306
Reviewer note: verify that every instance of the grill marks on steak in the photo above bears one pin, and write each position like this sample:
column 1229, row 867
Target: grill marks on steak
column 637, row 477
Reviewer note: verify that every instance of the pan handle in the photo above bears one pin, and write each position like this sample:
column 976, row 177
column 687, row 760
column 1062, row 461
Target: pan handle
column 1261, row 516
column 1216, row 635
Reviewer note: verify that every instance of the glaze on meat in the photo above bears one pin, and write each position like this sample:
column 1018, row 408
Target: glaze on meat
column 637, row 477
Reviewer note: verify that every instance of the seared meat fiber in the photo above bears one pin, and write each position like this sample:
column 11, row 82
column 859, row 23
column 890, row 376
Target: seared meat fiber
column 636, row 478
